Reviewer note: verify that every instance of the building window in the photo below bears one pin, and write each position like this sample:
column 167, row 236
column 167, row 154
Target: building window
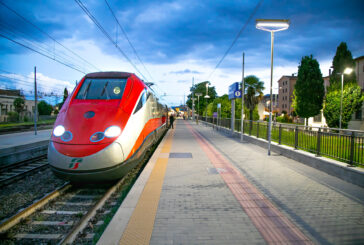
column 358, row 114
column 317, row 118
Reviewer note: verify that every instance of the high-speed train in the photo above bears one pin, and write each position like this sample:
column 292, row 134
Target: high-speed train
column 104, row 127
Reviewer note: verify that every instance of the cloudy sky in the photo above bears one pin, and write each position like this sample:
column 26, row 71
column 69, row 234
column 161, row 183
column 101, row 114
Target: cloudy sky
column 176, row 41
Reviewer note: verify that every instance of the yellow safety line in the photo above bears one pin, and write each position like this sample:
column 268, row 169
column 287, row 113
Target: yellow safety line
column 140, row 226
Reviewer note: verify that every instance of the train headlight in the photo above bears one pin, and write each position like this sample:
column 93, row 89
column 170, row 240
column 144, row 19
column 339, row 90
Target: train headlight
column 112, row 131
column 59, row 130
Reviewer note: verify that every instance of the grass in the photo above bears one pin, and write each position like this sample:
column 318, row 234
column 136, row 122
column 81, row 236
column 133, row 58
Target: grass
column 332, row 145
column 16, row 124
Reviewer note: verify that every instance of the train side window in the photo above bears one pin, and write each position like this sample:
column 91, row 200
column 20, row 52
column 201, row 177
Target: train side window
column 144, row 97
column 142, row 101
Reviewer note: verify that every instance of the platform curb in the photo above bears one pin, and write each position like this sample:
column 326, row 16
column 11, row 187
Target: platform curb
column 115, row 229
column 353, row 175
column 20, row 153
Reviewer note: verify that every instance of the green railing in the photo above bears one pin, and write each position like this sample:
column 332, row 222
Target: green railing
column 343, row 145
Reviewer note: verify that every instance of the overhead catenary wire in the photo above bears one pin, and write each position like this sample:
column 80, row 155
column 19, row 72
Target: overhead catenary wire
column 48, row 35
column 38, row 79
column 84, row 8
column 127, row 38
column 236, row 38
column 45, row 55
column 23, row 83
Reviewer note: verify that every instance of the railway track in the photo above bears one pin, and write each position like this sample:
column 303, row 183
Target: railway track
column 17, row 171
column 58, row 217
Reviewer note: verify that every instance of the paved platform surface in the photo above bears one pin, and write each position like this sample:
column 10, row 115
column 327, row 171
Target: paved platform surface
column 202, row 187
column 23, row 138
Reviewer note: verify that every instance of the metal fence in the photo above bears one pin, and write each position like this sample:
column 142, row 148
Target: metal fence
column 343, row 145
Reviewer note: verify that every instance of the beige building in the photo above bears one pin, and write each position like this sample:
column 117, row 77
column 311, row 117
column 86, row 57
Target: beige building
column 359, row 71
column 285, row 93
column 7, row 98
column 357, row 120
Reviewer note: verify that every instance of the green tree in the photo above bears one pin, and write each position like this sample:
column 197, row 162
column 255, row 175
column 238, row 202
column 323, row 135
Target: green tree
column 13, row 116
column 225, row 106
column 65, row 96
column 44, row 108
column 342, row 59
column 254, row 93
column 309, row 88
column 352, row 101
column 210, row 109
column 201, row 88
column 19, row 105
column 247, row 113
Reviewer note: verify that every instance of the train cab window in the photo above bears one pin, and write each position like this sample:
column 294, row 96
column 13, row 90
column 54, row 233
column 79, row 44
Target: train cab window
column 142, row 101
column 102, row 89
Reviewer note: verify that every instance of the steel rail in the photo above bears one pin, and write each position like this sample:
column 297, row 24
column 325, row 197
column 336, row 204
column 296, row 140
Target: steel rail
column 82, row 224
column 15, row 219
column 18, row 176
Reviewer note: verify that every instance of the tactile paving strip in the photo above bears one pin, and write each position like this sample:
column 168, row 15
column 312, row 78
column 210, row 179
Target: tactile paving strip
column 141, row 223
column 180, row 155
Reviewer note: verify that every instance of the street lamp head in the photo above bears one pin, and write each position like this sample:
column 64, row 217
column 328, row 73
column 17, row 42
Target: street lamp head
column 206, row 97
column 348, row 70
column 272, row 25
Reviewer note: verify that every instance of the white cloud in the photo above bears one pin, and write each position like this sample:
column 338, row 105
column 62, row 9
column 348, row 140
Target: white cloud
column 157, row 13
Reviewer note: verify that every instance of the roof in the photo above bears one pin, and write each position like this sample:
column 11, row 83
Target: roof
column 109, row 74
column 287, row 76
column 11, row 92
column 359, row 58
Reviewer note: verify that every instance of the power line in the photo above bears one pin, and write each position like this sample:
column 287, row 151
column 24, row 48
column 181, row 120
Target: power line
column 32, row 49
column 127, row 38
column 236, row 38
column 38, row 79
column 26, row 40
column 84, row 8
column 45, row 33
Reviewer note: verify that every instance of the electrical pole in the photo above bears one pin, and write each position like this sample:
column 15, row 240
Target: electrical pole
column 193, row 100
column 35, row 100
column 242, row 104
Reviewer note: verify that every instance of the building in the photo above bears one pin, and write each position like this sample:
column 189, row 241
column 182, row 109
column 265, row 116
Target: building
column 285, row 93
column 357, row 120
column 7, row 98
column 359, row 71
column 266, row 102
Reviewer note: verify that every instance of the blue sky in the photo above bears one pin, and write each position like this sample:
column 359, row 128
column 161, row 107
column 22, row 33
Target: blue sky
column 176, row 40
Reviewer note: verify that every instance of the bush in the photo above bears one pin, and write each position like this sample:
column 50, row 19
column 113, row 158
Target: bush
column 26, row 119
column 44, row 108
column 284, row 119
column 13, row 116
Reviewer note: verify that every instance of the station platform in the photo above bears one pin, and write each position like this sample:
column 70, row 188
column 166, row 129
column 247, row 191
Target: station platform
column 15, row 147
column 23, row 138
column 202, row 187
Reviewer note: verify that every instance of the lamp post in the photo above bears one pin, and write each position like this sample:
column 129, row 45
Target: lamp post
column 207, row 97
column 346, row 71
column 193, row 108
column 271, row 26
column 198, row 104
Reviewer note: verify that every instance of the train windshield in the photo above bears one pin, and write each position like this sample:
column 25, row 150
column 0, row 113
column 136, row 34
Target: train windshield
column 102, row 89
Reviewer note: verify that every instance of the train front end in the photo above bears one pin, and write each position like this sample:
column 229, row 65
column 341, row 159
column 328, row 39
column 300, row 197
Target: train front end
column 86, row 142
